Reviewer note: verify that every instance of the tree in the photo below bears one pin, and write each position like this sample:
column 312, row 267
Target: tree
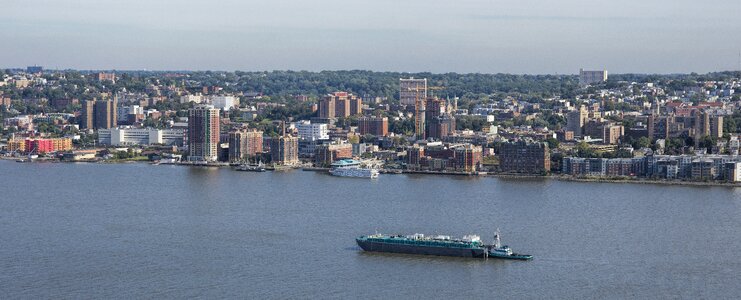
column 707, row 142
column 729, row 124
column 583, row 150
column 642, row 142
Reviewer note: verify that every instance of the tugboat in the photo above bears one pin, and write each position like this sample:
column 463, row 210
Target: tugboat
column 504, row 252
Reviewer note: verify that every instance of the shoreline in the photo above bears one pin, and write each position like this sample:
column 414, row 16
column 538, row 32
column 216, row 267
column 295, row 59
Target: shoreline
column 434, row 173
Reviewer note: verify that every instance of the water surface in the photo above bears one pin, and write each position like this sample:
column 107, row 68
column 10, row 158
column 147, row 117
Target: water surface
column 136, row 230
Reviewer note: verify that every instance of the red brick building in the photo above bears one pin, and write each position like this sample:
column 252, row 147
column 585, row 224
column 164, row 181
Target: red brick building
column 373, row 125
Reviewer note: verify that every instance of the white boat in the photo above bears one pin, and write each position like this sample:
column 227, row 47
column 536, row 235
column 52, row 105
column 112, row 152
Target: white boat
column 251, row 168
column 352, row 168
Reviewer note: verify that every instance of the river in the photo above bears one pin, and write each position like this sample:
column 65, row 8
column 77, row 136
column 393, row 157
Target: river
column 142, row 231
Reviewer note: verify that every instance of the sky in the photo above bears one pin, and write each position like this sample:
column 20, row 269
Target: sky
column 517, row 36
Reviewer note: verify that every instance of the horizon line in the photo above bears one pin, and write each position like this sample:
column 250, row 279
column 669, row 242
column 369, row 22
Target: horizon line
column 353, row 70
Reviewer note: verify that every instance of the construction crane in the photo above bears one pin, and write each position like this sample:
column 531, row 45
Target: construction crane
column 419, row 109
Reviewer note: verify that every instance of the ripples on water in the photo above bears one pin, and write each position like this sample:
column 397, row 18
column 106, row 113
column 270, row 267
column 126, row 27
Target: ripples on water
column 141, row 231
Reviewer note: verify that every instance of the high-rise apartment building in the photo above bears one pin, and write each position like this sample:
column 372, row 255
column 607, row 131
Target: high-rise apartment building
column 244, row 143
column 575, row 120
column 590, row 77
column 706, row 123
column 414, row 92
column 203, row 133
column 410, row 90
column 524, row 157
column 99, row 114
column 434, row 107
column 284, row 150
column 340, row 105
column 327, row 108
column 105, row 115
column 440, row 126
column 468, row 158
column 87, row 115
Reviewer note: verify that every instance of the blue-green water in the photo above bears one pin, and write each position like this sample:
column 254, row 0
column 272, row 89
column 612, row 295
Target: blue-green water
column 142, row 231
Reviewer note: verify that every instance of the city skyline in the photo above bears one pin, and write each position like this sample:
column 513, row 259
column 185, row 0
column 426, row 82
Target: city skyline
column 466, row 36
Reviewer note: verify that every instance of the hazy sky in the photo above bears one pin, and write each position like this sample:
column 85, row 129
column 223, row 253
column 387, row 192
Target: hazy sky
column 518, row 36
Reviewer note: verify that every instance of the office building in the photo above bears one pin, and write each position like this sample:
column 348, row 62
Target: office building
column 203, row 133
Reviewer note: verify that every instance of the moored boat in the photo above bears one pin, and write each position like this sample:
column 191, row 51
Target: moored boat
column 251, row 168
column 352, row 168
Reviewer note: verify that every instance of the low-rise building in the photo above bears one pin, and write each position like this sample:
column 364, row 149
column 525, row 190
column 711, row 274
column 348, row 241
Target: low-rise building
column 378, row 126
column 703, row 169
column 325, row 154
column 124, row 136
column 733, row 172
